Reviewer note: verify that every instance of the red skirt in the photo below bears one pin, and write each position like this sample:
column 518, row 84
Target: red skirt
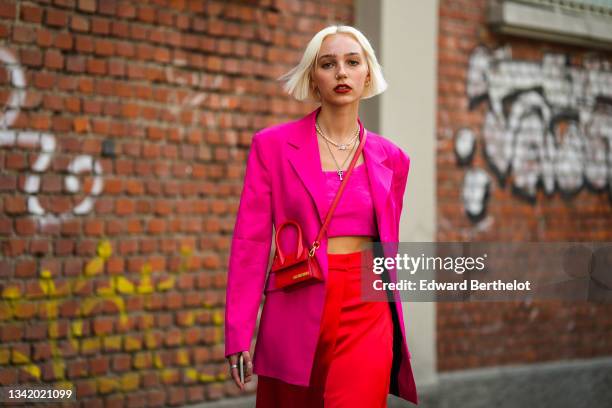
column 352, row 366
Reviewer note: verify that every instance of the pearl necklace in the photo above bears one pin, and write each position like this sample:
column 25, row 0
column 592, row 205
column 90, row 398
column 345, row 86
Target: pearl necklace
column 340, row 146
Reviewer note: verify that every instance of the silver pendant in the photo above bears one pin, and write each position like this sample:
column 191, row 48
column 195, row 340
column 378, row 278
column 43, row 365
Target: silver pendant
column 340, row 172
column 342, row 147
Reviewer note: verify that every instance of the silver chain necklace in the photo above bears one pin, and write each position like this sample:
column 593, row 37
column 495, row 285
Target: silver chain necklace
column 340, row 171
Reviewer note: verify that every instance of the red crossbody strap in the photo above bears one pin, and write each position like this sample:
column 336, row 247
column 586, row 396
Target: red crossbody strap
column 317, row 241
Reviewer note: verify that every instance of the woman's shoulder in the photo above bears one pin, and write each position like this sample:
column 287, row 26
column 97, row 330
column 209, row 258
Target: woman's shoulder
column 396, row 153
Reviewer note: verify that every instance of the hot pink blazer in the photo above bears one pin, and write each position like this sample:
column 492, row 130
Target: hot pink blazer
column 284, row 180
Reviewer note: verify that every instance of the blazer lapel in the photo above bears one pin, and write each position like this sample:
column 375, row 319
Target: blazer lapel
column 380, row 177
column 303, row 154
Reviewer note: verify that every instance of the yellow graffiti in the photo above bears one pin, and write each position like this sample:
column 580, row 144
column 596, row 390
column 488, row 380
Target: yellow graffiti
column 146, row 284
column 182, row 357
column 166, row 284
column 104, row 250
column 106, row 292
column 218, row 318
column 124, row 286
column 19, row 358
column 11, row 292
column 94, row 267
column 33, row 370
column 77, row 328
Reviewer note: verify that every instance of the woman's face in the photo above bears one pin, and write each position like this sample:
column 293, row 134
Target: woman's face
column 341, row 61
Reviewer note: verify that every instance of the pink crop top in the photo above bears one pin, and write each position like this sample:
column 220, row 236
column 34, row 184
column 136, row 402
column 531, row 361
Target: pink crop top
column 354, row 214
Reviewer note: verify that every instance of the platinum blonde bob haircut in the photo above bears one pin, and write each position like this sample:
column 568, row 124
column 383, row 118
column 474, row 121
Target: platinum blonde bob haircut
column 297, row 81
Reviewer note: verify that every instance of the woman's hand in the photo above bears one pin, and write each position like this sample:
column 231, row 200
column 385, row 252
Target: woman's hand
column 234, row 369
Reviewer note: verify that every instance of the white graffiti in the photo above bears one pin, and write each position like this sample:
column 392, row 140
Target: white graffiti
column 549, row 124
column 46, row 143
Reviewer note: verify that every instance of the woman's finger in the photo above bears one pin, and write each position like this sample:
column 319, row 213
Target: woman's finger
column 248, row 367
column 233, row 361
column 236, row 378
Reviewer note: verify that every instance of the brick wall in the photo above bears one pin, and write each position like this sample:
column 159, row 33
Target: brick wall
column 122, row 150
column 476, row 102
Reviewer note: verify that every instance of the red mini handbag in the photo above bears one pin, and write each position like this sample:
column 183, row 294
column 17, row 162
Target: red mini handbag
column 300, row 267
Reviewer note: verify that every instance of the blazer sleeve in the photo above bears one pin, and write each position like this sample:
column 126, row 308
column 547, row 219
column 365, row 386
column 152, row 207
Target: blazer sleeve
column 249, row 252
column 400, row 180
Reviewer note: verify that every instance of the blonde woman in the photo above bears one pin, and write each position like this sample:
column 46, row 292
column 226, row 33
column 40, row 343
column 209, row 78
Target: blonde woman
column 320, row 345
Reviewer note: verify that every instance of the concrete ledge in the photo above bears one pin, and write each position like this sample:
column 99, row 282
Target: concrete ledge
column 549, row 23
column 575, row 384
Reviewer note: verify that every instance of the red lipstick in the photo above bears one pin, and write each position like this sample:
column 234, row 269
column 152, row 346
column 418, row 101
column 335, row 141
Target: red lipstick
column 342, row 88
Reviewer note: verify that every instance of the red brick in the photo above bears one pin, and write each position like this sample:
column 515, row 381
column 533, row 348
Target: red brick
column 39, row 246
column 56, row 18
column 8, row 182
column 54, row 59
column 11, row 332
column 25, row 226
column 64, row 41
column 15, row 161
column 87, row 247
column 86, row 388
column 84, row 44
column 103, row 326
column 42, row 350
column 52, row 371
column 25, row 269
column 115, row 266
column 107, row 7
column 71, row 227
column 72, row 267
column 13, row 247
column 104, row 47
column 77, row 369
column 124, row 207
column 8, row 10
column 121, row 362
column 6, row 226
column 51, row 183
column 96, row 66
column 9, row 375
column 22, row 34
column 63, row 247
column 79, row 23
column 177, row 396
column 94, row 227
column 5, row 268
column 38, row 331
column 87, row 5
column 99, row 365
column 197, row 393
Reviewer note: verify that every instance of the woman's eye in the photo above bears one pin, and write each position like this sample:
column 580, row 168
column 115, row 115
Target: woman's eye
column 351, row 62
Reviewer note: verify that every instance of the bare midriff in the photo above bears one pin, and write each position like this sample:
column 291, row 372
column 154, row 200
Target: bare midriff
column 346, row 245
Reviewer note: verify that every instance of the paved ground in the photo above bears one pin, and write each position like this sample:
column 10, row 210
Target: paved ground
column 567, row 384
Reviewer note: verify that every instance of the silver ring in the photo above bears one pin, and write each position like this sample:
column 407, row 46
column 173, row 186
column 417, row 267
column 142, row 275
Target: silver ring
column 234, row 366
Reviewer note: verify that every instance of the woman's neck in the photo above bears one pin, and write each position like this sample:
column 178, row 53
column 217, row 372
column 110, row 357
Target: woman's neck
column 338, row 123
